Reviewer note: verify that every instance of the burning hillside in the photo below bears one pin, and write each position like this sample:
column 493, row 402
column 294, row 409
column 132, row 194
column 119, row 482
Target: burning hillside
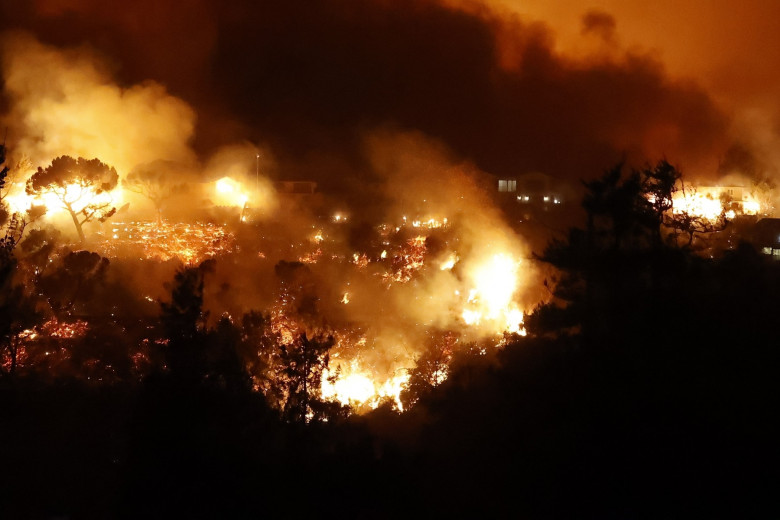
column 384, row 295
column 191, row 243
column 416, row 264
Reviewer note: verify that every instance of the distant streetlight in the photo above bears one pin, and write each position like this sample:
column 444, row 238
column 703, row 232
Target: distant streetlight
column 257, row 173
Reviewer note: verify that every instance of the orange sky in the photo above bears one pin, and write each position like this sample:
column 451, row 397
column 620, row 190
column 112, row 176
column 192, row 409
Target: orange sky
column 692, row 80
column 733, row 48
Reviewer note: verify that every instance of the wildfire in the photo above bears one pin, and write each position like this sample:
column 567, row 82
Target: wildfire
column 312, row 257
column 230, row 193
column 449, row 263
column 285, row 328
column 191, row 243
column 64, row 330
column 490, row 300
column 430, row 223
column 712, row 203
column 43, row 342
column 361, row 373
column 407, row 261
column 76, row 195
column 358, row 387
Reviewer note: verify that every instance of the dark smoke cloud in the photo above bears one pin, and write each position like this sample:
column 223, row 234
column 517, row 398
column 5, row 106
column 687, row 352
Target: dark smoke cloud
column 599, row 22
column 312, row 80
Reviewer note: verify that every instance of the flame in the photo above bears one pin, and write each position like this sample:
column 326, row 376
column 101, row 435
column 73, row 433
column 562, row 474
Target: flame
column 751, row 207
column 490, row 300
column 230, row 193
column 358, row 387
column 76, row 195
column 707, row 203
column 361, row 373
column 698, row 205
column 449, row 263
column 16, row 198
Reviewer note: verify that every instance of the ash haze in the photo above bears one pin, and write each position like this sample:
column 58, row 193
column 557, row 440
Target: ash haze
column 513, row 87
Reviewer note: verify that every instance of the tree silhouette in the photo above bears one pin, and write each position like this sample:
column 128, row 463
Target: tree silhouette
column 257, row 348
column 299, row 378
column 193, row 353
column 689, row 224
column 72, row 285
column 17, row 313
column 622, row 249
column 12, row 224
column 17, row 308
column 158, row 181
column 184, row 322
column 629, row 211
column 79, row 186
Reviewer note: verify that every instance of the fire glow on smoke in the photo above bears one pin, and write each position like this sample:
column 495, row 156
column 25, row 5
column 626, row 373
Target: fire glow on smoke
column 478, row 291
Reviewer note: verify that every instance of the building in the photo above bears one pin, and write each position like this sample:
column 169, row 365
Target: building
column 535, row 189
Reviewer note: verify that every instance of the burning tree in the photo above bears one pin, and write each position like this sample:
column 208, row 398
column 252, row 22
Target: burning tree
column 13, row 224
column 689, row 223
column 80, row 186
column 11, row 174
column 158, row 181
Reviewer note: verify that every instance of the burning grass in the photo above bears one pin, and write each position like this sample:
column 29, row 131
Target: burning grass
column 191, row 243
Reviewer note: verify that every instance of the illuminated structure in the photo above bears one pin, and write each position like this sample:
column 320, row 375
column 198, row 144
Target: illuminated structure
column 535, row 189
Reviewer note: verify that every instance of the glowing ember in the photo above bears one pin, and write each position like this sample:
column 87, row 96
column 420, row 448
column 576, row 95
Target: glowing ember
column 361, row 261
column 190, row 243
column 407, row 261
column 430, row 223
column 64, row 330
column 311, row 258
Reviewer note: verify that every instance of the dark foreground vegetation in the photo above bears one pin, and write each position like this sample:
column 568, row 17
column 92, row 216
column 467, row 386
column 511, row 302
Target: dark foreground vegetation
column 647, row 388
